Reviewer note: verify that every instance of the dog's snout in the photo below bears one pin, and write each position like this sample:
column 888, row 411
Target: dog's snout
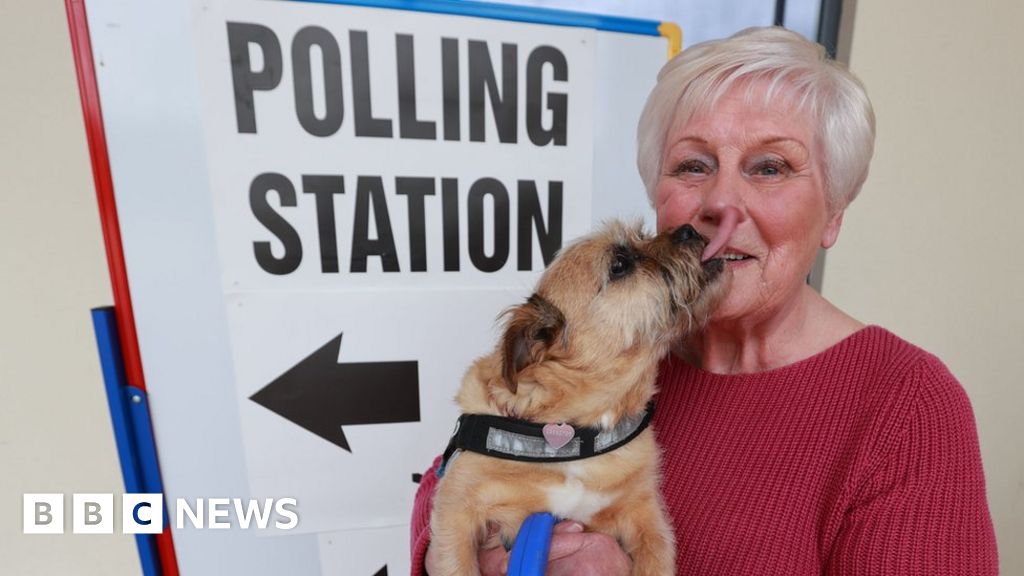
column 686, row 233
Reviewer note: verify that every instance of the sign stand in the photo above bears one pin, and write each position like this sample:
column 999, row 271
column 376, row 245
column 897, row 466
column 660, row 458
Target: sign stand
column 129, row 414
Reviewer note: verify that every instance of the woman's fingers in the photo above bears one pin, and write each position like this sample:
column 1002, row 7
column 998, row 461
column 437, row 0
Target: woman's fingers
column 573, row 552
column 568, row 526
column 578, row 553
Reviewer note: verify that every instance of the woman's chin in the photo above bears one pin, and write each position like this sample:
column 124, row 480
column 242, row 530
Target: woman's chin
column 742, row 296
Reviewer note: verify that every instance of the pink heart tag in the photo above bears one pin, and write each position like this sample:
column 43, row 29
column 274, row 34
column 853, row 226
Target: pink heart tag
column 558, row 435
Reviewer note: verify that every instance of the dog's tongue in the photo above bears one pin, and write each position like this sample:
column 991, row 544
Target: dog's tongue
column 730, row 217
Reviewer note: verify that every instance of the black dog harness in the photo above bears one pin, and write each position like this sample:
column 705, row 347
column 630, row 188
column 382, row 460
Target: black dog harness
column 513, row 439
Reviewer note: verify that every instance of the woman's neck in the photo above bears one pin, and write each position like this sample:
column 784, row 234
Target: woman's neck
column 808, row 326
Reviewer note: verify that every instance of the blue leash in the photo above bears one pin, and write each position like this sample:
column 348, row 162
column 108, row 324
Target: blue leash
column 529, row 555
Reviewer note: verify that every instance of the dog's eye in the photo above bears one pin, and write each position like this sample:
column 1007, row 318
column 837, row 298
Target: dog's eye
column 622, row 265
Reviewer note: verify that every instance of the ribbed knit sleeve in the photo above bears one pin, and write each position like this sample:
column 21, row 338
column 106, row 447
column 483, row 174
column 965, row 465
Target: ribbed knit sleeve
column 420, row 524
column 921, row 508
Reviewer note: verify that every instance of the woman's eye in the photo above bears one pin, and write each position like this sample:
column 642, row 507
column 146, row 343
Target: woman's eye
column 771, row 168
column 692, row 167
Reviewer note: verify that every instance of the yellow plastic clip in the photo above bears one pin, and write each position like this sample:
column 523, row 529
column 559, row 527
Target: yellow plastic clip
column 674, row 35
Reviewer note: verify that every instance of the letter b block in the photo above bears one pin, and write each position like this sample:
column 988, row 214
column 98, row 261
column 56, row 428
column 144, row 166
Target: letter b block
column 43, row 514
column 92, row 513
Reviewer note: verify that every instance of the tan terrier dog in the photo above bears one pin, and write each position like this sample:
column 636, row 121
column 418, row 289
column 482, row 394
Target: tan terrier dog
column 555, row 419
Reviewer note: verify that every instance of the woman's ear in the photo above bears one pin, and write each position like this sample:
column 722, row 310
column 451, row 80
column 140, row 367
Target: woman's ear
column 831, row 232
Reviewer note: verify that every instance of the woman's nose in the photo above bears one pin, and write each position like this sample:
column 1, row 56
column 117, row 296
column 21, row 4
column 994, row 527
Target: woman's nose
column 722, row 197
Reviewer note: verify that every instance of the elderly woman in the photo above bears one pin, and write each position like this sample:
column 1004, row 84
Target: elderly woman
column 796, row 439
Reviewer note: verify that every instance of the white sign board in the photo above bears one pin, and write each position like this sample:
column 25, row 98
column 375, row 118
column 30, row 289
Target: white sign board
column 353, row 195
column 324, row 209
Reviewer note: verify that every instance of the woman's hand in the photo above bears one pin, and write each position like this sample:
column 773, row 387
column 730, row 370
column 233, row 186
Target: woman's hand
column 579, row 553
column 573, row 552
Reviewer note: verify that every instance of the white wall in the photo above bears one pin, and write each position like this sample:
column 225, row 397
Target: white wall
column 55, row 433
column 932, row 248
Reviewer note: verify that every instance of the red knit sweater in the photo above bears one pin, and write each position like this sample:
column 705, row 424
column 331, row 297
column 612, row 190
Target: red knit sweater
column 862, row 459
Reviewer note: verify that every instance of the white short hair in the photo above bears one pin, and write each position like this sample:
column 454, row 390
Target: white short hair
column 796, row 70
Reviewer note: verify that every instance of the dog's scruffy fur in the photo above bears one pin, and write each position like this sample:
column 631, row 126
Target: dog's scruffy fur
column 584, row 349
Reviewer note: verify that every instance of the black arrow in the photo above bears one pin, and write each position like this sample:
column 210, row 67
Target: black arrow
column 322, row 395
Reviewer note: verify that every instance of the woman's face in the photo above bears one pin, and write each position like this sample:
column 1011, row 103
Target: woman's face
column 764, row 163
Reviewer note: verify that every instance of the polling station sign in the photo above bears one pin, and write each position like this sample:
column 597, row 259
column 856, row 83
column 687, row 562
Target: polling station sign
column 353, row 147
column 324, row 209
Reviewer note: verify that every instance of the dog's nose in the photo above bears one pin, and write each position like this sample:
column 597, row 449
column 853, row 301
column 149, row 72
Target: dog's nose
column 685, row 233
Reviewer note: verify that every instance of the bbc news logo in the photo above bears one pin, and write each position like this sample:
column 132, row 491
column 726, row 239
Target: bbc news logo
column 144, row 513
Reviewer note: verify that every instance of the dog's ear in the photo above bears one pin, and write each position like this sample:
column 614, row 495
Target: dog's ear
column 531, row 330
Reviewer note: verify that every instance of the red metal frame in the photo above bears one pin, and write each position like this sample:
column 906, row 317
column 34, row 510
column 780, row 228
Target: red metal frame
column 96, row 136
